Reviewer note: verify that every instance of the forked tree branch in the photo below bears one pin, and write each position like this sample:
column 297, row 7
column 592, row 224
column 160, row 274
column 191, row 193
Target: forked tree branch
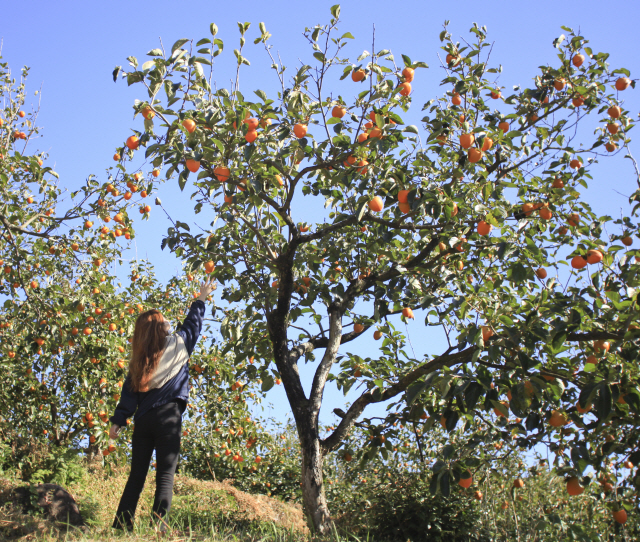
column 272, row 254
column 322, row 371
column 369, row 397
column 24, row 231
column 444, row 360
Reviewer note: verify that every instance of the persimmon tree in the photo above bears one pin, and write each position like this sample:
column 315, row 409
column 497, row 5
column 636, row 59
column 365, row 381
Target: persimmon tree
column 473, row 221
column 64, row 317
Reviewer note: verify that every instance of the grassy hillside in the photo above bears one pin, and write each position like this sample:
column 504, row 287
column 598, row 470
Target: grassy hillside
column 201, row 510
column 369, row 502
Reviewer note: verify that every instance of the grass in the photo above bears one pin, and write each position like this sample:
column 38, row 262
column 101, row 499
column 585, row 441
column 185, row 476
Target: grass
column 201, row 510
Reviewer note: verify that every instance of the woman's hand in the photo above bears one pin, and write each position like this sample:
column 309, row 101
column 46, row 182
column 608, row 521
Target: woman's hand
column 206, row 288
column 113, row 432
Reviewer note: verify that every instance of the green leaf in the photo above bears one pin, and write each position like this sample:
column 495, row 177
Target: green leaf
column 362, row 210
column 267, row 382
column 346, row 72
column 505, row 249
column 213, row 28
column 418, row 387
column 220, row 46
column 603, row 402
column 587, row 394
column 471, row 394
column 558, row 341
column 248, row 152
column 506, row 320
column 633, row 400
column 407, row 60
column 519, row 273
column 134, row 77
column 451, row 418
column 520, row 400
column 447, row 451
column 335, row 10
column 500, row 407
column 445, row 486
column 218, row 144
column 433, row 484
column 347, row 35
column 199, row 69
column 178, row 44
column 155, row 52
column 201, row 60
column 182, row 178
column 411, row 129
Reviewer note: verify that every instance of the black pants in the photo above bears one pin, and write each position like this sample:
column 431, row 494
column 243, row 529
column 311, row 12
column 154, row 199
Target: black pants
column 158, row 429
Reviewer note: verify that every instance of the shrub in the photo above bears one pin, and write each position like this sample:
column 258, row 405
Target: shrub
column 37, row 461
column 400, row 507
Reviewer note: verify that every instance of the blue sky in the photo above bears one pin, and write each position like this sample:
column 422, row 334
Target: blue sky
column 72, row 48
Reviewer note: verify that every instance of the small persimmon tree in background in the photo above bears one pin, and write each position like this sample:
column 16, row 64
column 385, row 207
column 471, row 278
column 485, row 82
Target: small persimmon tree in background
column 64, row 317
column 69, row 298
column 474, row 222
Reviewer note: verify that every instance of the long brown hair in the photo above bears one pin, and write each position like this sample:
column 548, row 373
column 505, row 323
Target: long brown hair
column 147, row 346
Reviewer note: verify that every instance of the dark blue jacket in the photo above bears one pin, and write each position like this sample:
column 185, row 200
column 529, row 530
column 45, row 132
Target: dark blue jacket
column 177, row 388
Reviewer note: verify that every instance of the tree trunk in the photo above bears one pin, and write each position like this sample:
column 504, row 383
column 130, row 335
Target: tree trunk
column 305, row 411
column 92, row 452
column 314, row 500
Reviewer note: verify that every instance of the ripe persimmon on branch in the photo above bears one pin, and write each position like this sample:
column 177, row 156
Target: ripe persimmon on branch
column 462, row 220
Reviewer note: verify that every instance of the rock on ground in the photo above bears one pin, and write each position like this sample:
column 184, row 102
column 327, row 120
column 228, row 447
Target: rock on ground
column 56, row 502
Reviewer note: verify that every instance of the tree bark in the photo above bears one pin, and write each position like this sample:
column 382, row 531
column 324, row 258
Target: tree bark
column 314, row 499
column 304, row 414
column 92, row 452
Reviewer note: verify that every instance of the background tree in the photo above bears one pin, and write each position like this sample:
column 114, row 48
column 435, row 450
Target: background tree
column 64, row 316
column 476, row 219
